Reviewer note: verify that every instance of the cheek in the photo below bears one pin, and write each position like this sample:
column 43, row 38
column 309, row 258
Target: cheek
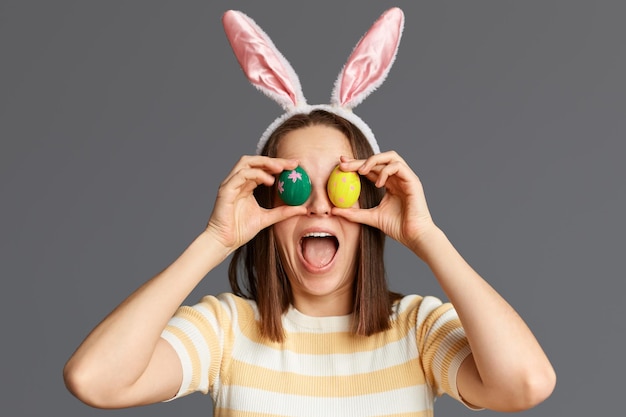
column 352, row 233
column 283, row 231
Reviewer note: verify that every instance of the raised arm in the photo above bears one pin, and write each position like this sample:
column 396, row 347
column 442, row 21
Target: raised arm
column 124, row 362
column 507, row 370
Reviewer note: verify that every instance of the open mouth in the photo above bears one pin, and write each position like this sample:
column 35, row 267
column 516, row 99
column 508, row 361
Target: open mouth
column 319, row 248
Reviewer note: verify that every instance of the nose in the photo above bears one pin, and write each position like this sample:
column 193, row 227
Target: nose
column 319, row 203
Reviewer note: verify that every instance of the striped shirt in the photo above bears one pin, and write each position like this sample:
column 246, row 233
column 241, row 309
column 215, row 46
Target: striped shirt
column 321, row 369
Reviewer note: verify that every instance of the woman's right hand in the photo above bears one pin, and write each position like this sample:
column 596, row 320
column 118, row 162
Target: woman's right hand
column 236, row 216
column 124, row 361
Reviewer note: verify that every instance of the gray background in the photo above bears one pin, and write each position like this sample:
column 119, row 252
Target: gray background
column 118, row 120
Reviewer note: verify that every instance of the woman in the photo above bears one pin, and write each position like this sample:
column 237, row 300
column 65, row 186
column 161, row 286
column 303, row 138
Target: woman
column 322, row 334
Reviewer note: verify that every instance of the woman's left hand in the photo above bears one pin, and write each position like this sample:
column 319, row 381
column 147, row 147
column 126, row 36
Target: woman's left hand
column 403, row 213
column 507, row 370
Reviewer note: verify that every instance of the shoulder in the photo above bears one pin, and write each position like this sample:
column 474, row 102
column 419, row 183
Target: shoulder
column 223, row 308
column 415, row 303
column 420, row 310
column 230, row 302
column 232, row 305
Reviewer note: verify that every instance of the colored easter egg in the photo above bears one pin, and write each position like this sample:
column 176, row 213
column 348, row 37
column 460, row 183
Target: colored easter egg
column 343, row 188
column 294, row 186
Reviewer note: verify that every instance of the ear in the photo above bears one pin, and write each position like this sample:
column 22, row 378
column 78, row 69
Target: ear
column 263, row 64
column 370, row 61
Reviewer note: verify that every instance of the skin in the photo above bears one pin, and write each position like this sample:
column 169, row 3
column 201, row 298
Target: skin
column 507, row 370
column 123, row 362
column 318, row 291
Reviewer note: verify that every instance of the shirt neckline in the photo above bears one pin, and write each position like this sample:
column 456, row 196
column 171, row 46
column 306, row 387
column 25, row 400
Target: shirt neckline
column 334, row 323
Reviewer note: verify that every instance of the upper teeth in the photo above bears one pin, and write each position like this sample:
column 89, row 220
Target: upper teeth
column 318, row 234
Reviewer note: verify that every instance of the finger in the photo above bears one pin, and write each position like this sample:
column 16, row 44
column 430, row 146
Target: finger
column 387, row 171
column 377, row 175
column 271, row 165
column 384, row 158
column 380, row 174
column 379, row 168
column 348, row 164
column 246, row 180
column 280, row 213
column 372, row 167
column 355, row 215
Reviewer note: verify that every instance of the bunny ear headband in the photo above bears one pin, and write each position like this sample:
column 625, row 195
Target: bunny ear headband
column 269, row 71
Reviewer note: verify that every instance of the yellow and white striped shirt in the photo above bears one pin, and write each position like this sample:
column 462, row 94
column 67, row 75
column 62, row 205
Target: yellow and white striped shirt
column 321, row 369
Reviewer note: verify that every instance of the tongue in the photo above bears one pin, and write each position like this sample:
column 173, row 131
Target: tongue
column 318, row 251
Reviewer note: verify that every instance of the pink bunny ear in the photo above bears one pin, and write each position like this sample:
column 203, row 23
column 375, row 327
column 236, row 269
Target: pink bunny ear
column 263, row 64
column 370, row 61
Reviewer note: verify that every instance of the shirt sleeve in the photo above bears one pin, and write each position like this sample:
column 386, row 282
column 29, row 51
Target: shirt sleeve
column 199, row 334
column 442, row 344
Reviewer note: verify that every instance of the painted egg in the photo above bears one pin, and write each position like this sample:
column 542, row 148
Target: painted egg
column 343, row 188
column 294, row 186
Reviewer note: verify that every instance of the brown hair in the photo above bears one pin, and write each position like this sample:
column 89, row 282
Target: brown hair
column 264, row 279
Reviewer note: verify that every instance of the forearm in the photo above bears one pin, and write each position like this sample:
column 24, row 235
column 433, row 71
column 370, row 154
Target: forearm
column 118, row 350
column 508, row 358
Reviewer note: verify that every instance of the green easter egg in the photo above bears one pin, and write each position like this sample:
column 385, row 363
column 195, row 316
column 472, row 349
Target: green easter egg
column 294, row 186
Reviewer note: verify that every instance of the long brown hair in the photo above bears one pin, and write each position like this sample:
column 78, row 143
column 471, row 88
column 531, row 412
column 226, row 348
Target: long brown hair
column 264, row 279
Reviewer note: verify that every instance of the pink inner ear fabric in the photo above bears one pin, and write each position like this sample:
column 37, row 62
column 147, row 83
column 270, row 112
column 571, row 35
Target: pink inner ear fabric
column 258, row 57
column 369, row 62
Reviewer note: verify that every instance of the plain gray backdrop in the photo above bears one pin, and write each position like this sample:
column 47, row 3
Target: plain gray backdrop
column 118, row 121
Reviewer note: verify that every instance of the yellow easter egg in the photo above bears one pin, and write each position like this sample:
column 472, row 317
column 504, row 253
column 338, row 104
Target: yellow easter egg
column 343, row 188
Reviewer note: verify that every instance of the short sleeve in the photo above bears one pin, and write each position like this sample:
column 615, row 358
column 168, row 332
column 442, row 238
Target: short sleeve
column 442, row 345
column 199, row 334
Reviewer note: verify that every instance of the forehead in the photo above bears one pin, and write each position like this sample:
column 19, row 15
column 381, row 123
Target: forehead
column 314, row 141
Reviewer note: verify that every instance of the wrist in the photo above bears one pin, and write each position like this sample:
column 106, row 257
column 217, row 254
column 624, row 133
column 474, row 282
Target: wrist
column 427, row 243
column 213, row 244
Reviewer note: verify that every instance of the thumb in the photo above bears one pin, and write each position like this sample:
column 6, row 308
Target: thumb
column 355, row 215
column 281, row 213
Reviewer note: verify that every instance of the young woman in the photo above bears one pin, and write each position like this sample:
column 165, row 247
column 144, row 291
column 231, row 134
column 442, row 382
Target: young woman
column 314, row 330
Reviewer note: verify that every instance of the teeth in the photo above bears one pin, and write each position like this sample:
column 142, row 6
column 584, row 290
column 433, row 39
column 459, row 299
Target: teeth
column 318, row 234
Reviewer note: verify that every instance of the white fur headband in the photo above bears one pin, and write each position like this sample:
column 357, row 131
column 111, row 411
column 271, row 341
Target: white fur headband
column 269, row 71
